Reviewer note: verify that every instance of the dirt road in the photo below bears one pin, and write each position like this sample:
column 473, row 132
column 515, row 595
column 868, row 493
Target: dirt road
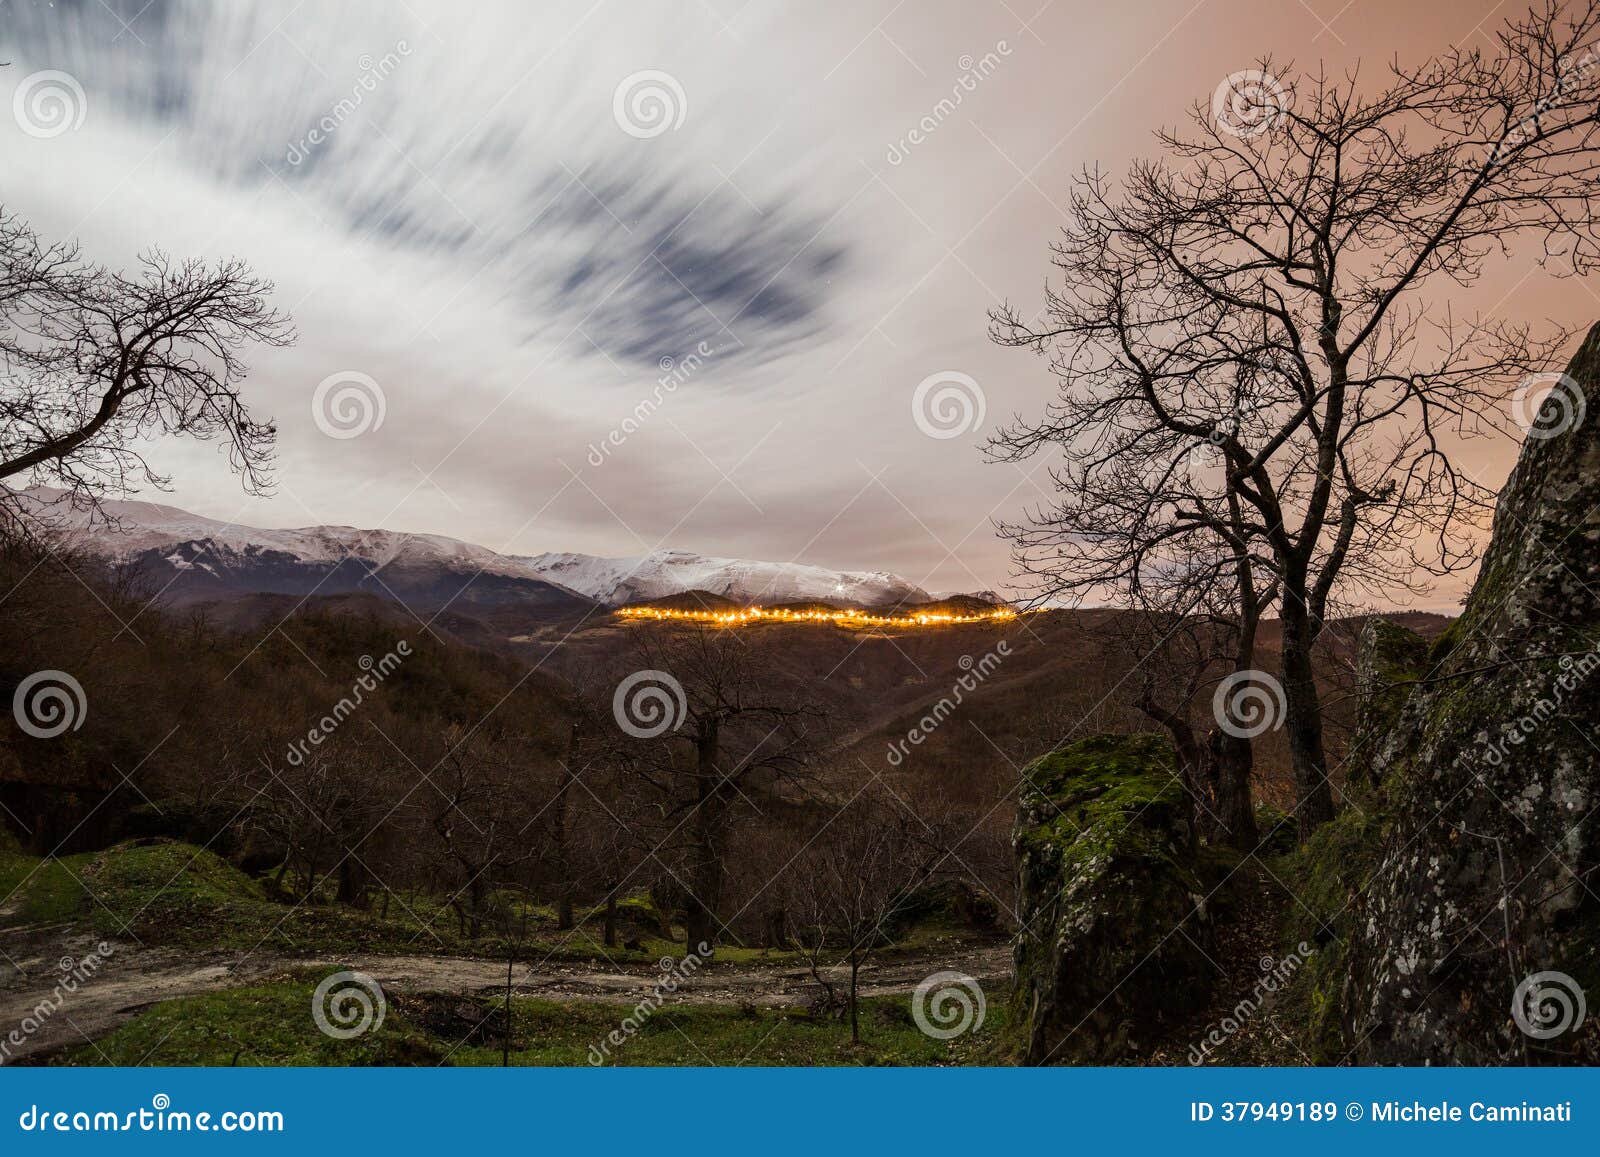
column 131, row 979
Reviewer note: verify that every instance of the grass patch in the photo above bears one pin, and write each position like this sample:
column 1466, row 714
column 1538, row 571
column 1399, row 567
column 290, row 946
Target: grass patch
column 171, row 894
column 271, row 1024
column 164, row 892
column 14, row 869
column 41, row 891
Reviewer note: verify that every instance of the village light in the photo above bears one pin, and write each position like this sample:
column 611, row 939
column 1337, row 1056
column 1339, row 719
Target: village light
column 851, row 616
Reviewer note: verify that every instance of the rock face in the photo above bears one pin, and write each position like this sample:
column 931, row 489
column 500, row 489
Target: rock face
column 1483, row 756
column 1389, row 660
column 1114, row 934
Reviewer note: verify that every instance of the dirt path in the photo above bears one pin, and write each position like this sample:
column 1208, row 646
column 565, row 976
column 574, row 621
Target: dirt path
column 131, row 979
column 1241, row 1010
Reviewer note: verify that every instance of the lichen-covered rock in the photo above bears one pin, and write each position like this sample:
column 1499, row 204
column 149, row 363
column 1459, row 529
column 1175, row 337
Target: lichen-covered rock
column 1389, row 661
column 1490, row 769
column 1114, row 932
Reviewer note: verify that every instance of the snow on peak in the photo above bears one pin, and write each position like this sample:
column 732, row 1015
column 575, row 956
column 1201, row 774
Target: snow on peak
column 138, row 527
column 660, row 573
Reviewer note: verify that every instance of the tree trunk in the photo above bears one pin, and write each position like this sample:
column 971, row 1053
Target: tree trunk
column 706, row 870
column 1191, row 764
column 352, row 883
column 558, row 822
column 1303, row 709
column 663, row 900
column 855, row 1019
column 611, row 919
column 1232, row 761
column 505, row 1044
column 705, row 894
column 477, row 904
column 777, row 929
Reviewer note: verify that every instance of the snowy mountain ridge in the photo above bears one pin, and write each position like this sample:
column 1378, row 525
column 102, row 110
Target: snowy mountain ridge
column 616, row 581
column 168, row 537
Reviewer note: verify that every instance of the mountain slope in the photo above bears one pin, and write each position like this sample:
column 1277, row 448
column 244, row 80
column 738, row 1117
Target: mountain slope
column 191, row 558
column 194, row 558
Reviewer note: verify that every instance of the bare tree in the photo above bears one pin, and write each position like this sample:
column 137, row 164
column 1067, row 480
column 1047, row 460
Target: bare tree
column 94, row 361
column 740, row 730
column 1270, row 286
column 483, row 790
column 1186, row 640
column 321, row 808
column 1195, row 589
column 845, row 887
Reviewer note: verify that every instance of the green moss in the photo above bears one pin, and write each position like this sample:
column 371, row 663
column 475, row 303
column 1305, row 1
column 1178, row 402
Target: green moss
column 1445, row 642
column 1278, row 831
column 263, row 1024
column 168, row 893
column 1108, row 868
column 1327, row 877
column 1390, row 662
column 15, row 867
column 1078, row 802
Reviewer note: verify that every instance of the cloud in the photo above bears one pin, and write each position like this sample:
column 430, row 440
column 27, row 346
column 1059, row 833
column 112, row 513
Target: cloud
column 448, row 204
column 399, row 136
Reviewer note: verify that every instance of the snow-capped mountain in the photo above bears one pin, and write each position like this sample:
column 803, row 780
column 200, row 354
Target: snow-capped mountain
column 194, row 558
column 615, row 581
column 191, row 558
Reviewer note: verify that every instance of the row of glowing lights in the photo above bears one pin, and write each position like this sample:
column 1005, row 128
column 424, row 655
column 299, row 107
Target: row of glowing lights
column 845, row 618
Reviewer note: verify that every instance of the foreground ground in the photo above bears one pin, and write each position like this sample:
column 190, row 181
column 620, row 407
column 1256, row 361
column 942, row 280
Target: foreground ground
column 165, row 1006
column 194, row 964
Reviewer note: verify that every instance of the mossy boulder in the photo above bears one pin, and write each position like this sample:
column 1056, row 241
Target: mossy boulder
column 1490, row 771
column 1114, row 933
